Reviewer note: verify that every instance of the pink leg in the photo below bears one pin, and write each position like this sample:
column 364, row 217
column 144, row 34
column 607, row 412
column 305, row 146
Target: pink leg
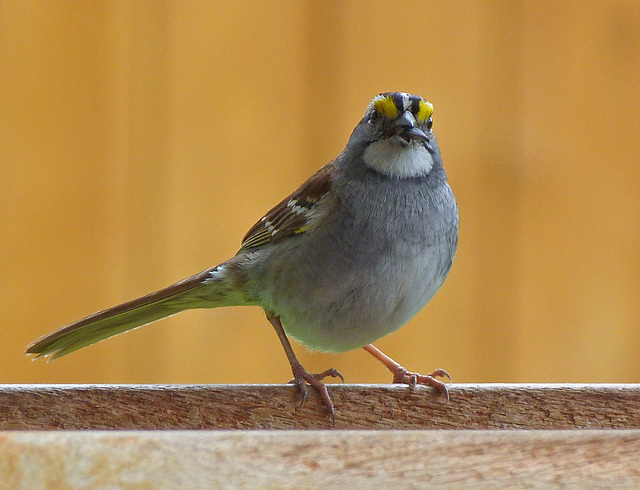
column 401, row 375
column 301, row 376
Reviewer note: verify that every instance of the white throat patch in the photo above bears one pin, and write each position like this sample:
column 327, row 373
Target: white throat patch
column 396, row 161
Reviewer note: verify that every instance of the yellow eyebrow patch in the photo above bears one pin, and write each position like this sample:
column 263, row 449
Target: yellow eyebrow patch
column 386, row 105
column 425, row 110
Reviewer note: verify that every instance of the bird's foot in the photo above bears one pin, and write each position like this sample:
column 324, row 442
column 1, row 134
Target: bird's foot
column 402, row 375
column 302, row 378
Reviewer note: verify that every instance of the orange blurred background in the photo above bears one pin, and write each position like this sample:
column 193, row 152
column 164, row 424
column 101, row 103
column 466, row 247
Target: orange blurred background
column 140, row 140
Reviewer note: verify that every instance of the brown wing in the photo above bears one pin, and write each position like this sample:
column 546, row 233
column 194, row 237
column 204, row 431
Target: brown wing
column 291, row 215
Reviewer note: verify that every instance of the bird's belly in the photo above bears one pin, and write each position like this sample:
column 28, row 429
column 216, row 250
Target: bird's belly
column 362, row 301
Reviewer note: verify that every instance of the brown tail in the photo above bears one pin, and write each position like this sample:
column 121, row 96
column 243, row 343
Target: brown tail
column 127, row 316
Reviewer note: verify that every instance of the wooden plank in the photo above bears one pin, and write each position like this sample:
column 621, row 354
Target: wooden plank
column 472, row 406
column 327, row 459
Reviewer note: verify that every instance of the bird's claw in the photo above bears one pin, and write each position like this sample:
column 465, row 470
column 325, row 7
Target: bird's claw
column 401, row 375
column 302, row 378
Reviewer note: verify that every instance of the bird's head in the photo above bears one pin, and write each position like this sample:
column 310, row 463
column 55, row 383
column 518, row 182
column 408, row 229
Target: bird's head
column 396, row 135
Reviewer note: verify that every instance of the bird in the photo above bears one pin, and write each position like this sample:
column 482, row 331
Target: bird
column 350, row 256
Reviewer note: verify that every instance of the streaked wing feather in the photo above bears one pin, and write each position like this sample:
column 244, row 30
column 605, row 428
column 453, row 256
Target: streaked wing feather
column 291, row 215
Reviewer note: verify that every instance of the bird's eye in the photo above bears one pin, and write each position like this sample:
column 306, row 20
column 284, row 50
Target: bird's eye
column 429, row 123
column 373, row 118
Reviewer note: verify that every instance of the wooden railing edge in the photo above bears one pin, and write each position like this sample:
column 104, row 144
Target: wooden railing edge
column 174, row 407
column 320, row 459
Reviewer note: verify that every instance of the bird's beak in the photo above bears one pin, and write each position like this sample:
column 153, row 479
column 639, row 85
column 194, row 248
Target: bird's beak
column 403, row 131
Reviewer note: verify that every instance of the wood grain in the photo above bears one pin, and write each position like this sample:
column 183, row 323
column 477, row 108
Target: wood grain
column 312, row 459
column 171, row 407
